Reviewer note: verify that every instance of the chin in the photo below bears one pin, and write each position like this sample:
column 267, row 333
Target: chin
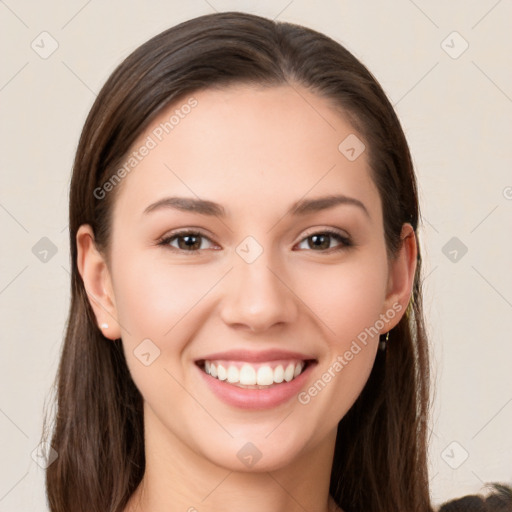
column 250, row 453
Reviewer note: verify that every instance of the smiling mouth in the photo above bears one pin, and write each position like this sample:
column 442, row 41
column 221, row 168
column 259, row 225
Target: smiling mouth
column 255, row 375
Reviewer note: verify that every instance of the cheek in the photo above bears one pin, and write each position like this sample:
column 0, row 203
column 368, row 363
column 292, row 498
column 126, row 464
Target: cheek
column 152, row 297
column 158, row 302
column 166, row 304
column 346, row 298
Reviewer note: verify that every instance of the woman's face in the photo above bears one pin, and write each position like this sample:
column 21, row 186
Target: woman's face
column 258, row 288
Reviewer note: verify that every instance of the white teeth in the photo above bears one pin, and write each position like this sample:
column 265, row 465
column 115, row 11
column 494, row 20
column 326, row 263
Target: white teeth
column 233, row 374
column 265, row 376
column 288, row 373
column 247, row 375
column 279, row 374
column 222, row 374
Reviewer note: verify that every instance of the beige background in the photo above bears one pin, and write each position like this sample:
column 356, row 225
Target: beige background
column 456, row 113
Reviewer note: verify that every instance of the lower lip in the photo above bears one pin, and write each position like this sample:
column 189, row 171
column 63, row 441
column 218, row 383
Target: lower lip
column 256, row 398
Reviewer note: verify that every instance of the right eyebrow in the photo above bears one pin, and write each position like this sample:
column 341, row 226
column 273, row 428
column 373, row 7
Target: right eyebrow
column 188, row 204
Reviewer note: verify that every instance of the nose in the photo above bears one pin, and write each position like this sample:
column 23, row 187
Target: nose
column 258, row 297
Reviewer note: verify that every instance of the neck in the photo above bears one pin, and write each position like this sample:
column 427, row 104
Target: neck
column 178, row 478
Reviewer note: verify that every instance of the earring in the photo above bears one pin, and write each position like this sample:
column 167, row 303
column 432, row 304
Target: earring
column 104, row 326
column 383, row 343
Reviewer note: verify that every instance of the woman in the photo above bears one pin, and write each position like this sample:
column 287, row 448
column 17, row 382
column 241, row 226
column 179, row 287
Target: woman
column 246, row 327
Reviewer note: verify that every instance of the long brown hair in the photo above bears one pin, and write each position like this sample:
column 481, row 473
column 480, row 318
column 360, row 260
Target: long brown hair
column 380, row 453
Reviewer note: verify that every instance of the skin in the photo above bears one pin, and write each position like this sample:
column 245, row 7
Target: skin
column 255, row 151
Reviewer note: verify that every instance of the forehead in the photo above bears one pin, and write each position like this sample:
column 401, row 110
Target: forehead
column 246, row 146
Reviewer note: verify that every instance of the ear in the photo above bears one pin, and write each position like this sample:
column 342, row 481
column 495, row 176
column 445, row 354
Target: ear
column 402, row 270
column 97, row 281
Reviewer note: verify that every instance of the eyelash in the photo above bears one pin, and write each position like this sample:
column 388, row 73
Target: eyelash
column 346, row 242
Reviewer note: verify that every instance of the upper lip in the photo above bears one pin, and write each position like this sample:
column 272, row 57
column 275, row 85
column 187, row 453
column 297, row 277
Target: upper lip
column 255, row 356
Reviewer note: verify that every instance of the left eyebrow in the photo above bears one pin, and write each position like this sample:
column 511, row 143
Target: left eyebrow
column 306, row 206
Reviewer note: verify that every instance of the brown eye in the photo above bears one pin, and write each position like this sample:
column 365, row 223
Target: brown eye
column 187, row 241
column 321, row 241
